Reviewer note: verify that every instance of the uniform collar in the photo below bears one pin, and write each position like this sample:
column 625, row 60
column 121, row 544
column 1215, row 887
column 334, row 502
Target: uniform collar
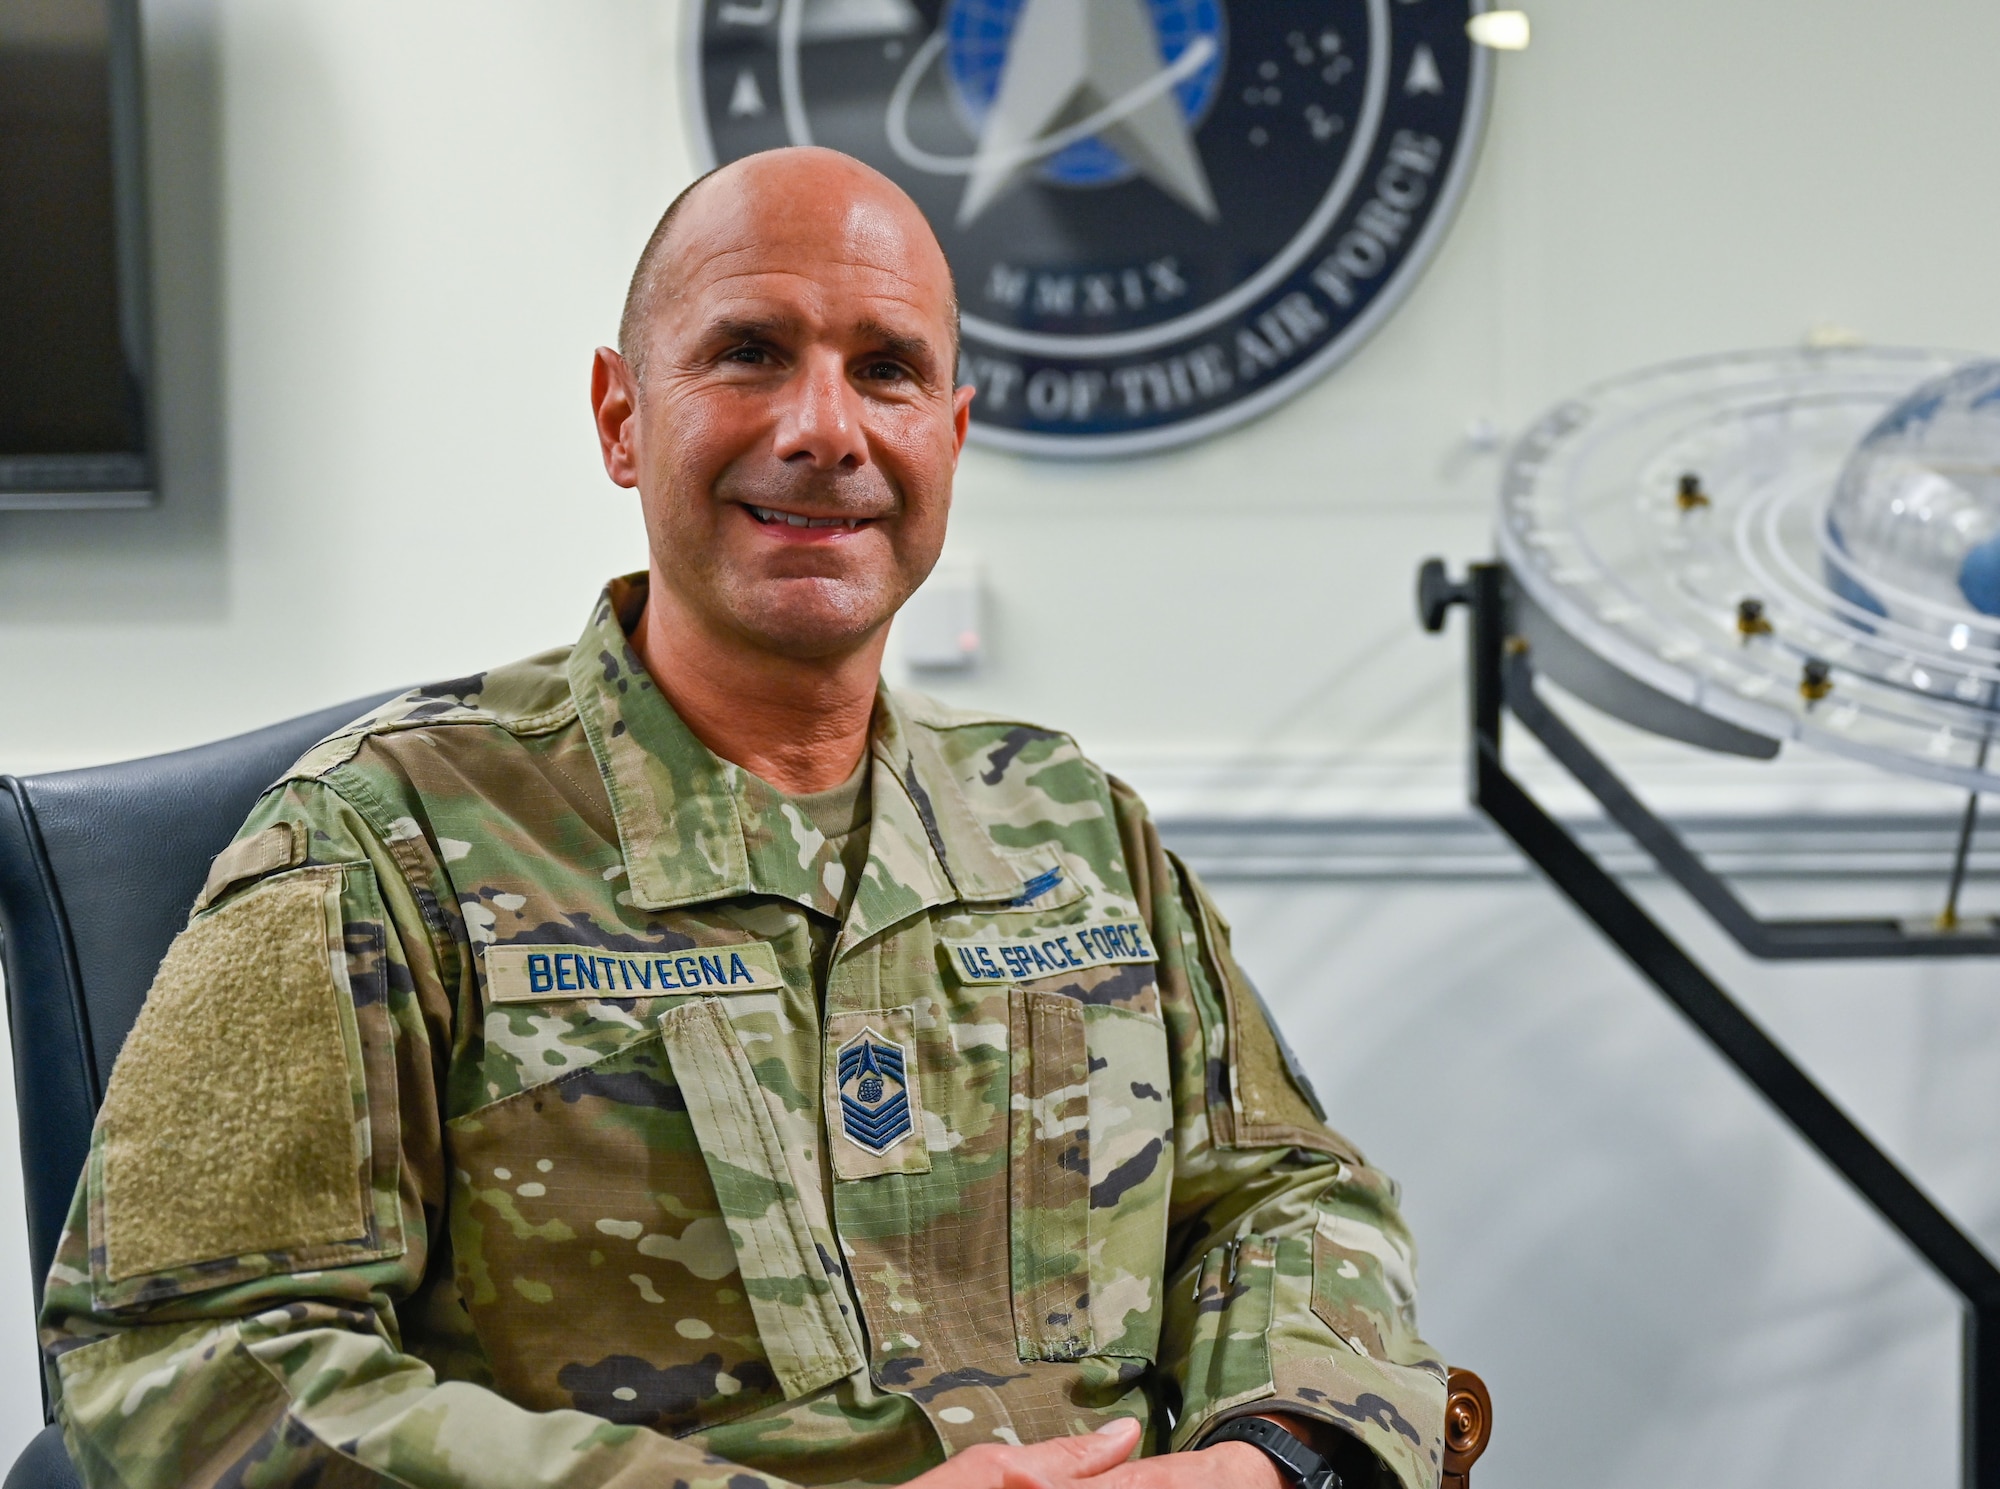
column 694, row 827
column 925, row 845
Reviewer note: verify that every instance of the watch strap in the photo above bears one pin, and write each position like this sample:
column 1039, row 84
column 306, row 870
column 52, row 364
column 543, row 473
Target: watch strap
column 1298, row 1460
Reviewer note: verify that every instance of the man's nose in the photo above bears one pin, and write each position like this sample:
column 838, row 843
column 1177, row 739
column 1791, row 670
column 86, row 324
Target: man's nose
column 820, row 421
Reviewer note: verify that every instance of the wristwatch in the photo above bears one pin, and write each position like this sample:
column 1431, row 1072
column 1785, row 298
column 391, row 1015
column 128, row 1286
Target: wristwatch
column 1297, row 1461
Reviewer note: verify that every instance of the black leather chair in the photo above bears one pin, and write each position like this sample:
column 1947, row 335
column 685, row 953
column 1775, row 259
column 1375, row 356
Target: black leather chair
column 97, row 870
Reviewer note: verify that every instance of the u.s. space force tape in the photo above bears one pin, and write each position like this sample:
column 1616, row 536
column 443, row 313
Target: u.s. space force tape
column 547, row 974
column 1070, row 948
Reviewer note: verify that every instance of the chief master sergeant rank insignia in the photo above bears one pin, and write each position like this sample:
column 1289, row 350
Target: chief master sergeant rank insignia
column 1165, row 216
column 874, row 1097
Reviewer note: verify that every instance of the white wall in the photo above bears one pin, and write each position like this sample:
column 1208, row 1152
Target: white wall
column 388, row 236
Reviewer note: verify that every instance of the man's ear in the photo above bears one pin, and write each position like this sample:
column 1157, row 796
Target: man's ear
column 961, row 418
column 614, row 406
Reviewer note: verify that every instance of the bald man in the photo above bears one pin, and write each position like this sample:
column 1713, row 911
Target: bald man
column 679, row 1060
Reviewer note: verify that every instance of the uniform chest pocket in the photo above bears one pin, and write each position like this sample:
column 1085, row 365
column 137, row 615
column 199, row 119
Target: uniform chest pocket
column 1089, row 1167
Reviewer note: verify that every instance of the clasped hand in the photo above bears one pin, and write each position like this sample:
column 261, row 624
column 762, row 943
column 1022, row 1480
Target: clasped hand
column 1099, row 1460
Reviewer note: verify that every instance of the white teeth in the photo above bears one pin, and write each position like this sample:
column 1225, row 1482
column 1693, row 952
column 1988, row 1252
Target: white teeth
column 767, row 514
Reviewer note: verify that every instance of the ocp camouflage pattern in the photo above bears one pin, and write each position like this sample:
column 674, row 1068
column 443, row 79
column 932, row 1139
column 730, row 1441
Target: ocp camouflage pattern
column 619, row 1236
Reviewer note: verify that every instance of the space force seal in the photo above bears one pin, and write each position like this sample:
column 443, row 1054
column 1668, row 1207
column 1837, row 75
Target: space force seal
column 1074, row 948
column 1164, row 216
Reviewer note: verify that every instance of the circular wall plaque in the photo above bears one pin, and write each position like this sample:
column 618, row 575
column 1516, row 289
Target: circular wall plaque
column 1165, row 216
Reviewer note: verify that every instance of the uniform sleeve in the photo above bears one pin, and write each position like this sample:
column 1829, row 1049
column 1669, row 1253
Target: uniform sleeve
column 1291, row 1280
column 261, row 1214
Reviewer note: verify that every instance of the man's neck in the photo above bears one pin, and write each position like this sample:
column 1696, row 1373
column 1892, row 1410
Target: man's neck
column 800, row 724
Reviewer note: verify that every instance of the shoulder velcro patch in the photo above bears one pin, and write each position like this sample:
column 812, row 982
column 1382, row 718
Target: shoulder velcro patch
column 1270, row 1101
column 279, row 846
column 230, row 1126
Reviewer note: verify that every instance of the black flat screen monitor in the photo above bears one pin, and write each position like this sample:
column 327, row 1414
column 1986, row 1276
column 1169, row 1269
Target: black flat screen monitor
column 75, row 382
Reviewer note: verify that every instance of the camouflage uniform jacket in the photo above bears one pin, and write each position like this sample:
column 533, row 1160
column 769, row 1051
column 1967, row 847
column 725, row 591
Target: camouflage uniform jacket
column 518, row 1109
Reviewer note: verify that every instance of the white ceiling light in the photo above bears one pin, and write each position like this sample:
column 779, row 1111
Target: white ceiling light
column 1503, row 30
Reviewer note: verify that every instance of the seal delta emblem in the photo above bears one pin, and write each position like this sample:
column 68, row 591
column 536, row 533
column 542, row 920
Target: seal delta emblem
column 1165, row 216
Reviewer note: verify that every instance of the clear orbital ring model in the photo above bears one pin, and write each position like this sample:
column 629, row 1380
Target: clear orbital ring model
column 1804, row 545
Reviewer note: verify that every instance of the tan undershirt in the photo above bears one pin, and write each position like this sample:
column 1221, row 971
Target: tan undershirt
column 842, row 815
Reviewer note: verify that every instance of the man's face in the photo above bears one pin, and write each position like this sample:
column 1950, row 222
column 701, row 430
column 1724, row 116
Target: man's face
column 796, row 429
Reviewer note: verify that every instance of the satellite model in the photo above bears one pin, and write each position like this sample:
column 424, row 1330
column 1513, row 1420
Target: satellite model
column 1735, row 552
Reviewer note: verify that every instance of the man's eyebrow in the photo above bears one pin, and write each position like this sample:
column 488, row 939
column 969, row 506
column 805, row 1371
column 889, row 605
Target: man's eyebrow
column 752, row 328
column 897, row 343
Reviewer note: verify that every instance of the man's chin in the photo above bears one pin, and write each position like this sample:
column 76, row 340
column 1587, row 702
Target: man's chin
column 812, row 620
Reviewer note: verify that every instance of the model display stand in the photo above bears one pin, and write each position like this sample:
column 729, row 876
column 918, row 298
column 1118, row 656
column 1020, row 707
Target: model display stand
column 1736, row 553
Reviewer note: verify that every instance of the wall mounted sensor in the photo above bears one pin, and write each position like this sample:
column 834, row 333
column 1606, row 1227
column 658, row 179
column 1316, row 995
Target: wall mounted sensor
column 942, row 626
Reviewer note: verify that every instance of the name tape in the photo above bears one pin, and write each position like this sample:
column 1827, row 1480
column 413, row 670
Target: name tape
column 1073, row 948
column 546, row 974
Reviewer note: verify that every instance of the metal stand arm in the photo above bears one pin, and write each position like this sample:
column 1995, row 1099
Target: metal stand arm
column 1500, row 681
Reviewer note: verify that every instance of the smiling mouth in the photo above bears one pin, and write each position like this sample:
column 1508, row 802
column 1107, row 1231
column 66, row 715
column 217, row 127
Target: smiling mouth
column 771, row 517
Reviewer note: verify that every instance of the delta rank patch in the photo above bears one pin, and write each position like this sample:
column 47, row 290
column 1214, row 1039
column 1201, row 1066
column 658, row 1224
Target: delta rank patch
column 874, row 1092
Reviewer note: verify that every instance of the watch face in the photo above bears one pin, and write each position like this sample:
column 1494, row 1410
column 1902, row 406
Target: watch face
column 1164, row 216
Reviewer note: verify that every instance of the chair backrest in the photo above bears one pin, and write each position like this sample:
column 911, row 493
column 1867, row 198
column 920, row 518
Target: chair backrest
column 97, row 870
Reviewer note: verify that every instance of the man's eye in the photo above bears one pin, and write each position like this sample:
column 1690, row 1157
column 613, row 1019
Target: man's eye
column 748, row 354
column 885, row 372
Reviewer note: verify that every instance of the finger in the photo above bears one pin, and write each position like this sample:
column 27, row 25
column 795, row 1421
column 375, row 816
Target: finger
column 1088, row 1453
column 1012, row 1477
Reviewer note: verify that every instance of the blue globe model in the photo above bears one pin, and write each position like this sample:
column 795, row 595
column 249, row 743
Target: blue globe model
column 976, row 35
column 1913, row 528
